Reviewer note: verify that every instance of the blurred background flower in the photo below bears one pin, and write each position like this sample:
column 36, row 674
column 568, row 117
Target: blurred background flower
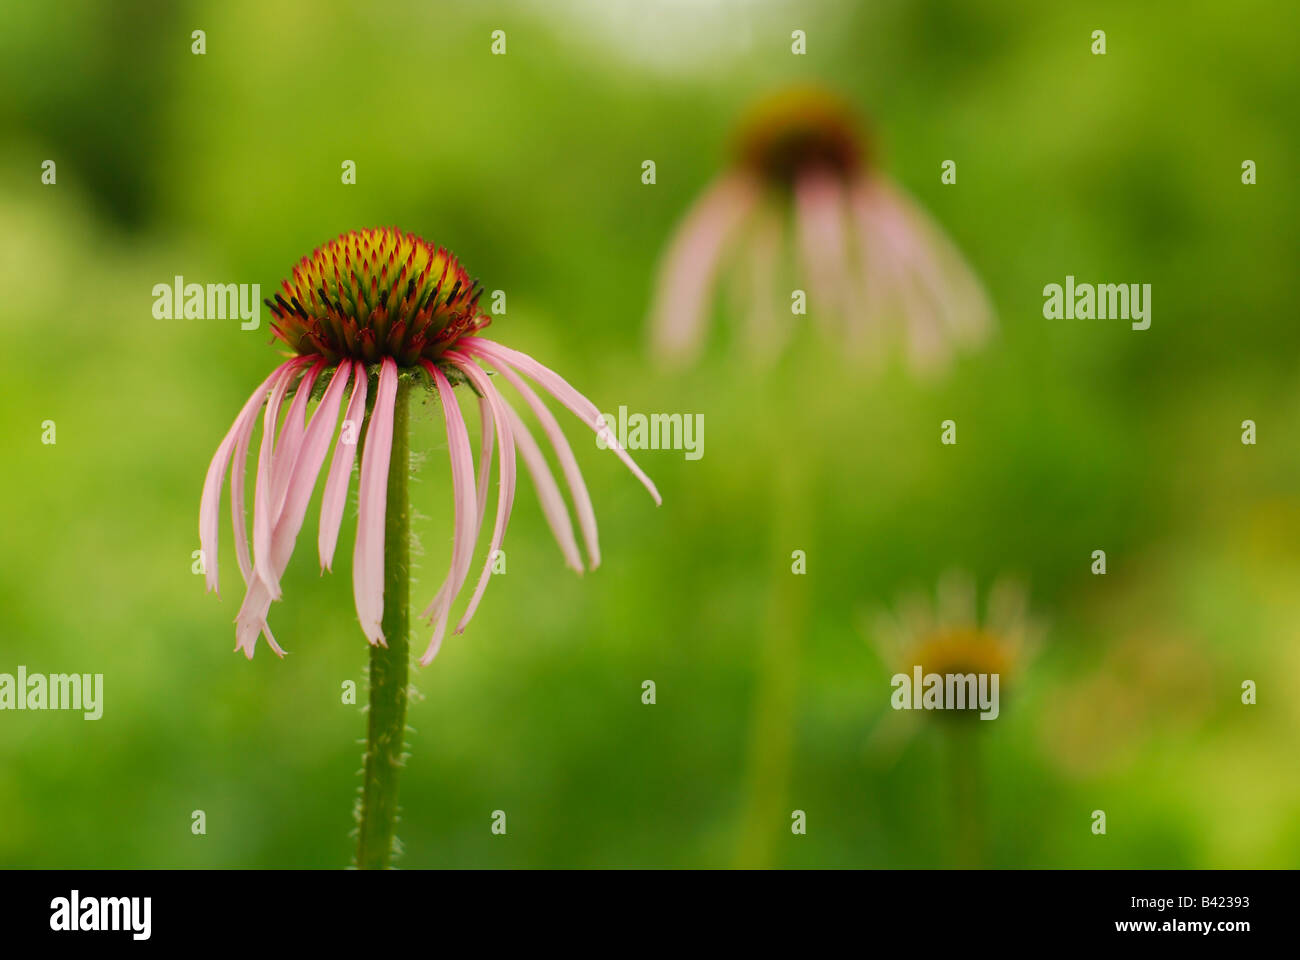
column 950, row 637
column 808, row 223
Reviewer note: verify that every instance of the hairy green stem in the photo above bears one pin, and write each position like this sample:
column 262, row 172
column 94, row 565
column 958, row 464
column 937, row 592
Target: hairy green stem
column 389, row 666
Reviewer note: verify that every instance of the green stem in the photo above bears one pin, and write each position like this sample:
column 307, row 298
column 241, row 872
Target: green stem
column 964, row 790
column 390, row 665
column 765, row 820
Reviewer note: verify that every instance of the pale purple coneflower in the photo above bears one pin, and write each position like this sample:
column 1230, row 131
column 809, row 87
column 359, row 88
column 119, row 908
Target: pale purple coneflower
column 390, row 306
column 804, row 206
column 385, row 303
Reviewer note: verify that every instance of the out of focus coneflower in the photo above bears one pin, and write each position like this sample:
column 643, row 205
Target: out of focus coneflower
column 805, row 204
column 380, row 311
column 951, row 638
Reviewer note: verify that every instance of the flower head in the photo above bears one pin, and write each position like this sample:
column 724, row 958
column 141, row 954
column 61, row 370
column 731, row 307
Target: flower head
column 381, row 304
column 949, row 637
column 797, row 132
column 802, row 176
column 377, row 293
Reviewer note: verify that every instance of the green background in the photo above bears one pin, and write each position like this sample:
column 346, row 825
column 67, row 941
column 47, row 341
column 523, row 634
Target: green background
column 1073, row 436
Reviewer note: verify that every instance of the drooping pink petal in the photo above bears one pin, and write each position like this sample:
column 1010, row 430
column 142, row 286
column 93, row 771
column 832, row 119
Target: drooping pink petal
column 506, row 474
column 251, row 619
column 822, row 236
column 263, row 495
column 368, row 556
column 568, row 463
column 871, row 310
column 487, row 430
column 548, row 491
column 315, row 444
column 238, row 514
column 306, row 470
column 291, row 434
column 336, row 484
column 885, row 244
column 684, row 291
column 210, row 502
column 559, row 388
column 462, row 473
column 462, row 478
column 963, row 305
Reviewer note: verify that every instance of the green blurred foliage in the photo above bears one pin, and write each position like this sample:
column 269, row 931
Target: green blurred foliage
column 1073, row 435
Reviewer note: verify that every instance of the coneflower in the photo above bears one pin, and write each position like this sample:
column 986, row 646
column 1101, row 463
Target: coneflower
column 949, row 636
column 386, row 306
column 804, row 202
column 951, row 639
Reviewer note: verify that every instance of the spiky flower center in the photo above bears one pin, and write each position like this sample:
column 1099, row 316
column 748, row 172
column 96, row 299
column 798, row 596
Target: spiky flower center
column 377, row 293
column 797, row 131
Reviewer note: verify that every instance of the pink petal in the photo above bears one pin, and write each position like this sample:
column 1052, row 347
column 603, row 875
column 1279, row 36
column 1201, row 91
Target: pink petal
column 568, row 463
column 683, row 296
column 864, row 337
column 506, row 467
column 336, row 484
column 884, row 238
column 251, row 619
column 306, row 469
column 368, row 557
column 559, row 388
column 462, row 477
column 315, row 444
column 263, row 517
column 819, row 200
column 548, row 491
column 291, row 434
column 238, row 517
column 487, row 431
column 963, row 303
column 211, row 498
